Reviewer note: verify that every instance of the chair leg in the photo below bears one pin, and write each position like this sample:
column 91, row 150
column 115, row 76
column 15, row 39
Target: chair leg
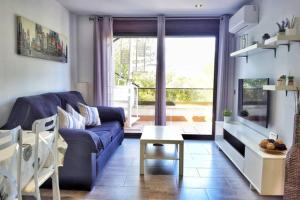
column 37, row 193
column 55, row 185
column 19, row 195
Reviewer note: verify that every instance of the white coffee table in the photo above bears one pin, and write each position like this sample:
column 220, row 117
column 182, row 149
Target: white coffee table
column 161, row 135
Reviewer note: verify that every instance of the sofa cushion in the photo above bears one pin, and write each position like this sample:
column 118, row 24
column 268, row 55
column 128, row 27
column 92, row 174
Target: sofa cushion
column 66, row 120
column 90, row 114
column 109, row 114
column 75, row 114
column 113, row 127
column 72, row 98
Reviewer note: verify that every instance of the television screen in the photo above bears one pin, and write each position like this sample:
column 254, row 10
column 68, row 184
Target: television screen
column 254, row 101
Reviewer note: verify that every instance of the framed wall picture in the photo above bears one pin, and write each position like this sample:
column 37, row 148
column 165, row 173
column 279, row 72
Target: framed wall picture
column 35, row 40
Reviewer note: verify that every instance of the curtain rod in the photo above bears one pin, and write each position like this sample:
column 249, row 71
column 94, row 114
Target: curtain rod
column 91, row 18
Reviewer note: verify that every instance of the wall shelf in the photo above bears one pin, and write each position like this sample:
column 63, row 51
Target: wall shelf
column 282, row 39
column 281, row 88
column 253, row 49
column 269, row 44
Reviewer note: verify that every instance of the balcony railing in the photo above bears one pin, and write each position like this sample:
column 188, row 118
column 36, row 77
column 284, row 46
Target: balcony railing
column 192, row 96
column 184, row 105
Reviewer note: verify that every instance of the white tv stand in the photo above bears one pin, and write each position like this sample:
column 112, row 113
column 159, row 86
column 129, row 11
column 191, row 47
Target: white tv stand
column 265, row 172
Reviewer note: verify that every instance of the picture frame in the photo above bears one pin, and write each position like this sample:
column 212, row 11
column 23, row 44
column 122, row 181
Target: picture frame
column 35, row 40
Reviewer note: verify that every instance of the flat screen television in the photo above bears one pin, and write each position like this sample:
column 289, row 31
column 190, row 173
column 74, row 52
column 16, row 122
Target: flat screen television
column 254, row 101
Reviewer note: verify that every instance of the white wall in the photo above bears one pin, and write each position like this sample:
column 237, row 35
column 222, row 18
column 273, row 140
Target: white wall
column 23, row 76
column 264, row 65
column 85, row 53
column 73, row 53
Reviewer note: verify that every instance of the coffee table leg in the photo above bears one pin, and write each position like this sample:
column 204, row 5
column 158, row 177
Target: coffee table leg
column 181, row 158
column 142, row 152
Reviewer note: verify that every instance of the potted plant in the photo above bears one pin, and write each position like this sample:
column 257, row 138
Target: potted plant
column 281, row 27
column 282, row 80
column 290, row 81
column 244, row 113
column 227, row 115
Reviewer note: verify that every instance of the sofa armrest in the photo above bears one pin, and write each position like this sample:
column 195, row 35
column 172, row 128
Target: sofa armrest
column 108, row 114
column 87, row 140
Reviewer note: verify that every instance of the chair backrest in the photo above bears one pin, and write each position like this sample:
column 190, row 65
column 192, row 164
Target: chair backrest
column 10, row 151
column 47, row 124
column 9, row 141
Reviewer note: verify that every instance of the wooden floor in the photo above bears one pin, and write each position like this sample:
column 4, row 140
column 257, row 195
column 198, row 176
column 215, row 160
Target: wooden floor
column 208, row 174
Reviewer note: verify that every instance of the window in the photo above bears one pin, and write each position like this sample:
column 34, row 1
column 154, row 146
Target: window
column 135, row 73
column 190, row 82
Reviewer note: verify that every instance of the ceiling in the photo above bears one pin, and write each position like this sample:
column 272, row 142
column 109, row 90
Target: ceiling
column 153, row 7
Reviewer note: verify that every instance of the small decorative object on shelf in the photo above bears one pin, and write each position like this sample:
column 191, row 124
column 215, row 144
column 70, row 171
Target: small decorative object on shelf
column 281, row 27
column 243, row 41
column 281, row 81
column 244, row 113
column 265, row 37
column 291, row 26
column 273, row 146
column 227, row 115
column 273, row 136
column 290, row 81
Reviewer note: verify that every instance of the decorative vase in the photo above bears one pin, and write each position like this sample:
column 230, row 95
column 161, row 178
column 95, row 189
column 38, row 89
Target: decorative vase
column 265, row 37
column 292, row 166
column 291, row 31
column 290, row 82
column 227, row 119
column 281, row 82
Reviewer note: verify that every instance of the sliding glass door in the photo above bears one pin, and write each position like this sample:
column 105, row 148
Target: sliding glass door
column 190, row 67
column 135, row 72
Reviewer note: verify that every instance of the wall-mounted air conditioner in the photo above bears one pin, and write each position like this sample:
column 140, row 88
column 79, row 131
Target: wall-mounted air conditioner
column 244, row 19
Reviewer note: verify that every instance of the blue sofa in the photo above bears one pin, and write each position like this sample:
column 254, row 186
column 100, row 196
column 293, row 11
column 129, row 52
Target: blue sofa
column 88, row 150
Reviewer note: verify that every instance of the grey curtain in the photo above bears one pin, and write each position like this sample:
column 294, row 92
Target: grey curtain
column 103, row 65
column 160, row 97
column 225, row 94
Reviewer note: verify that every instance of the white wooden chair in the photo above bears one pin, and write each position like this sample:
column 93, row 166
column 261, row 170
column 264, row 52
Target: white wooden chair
column 10, row 159
column 43, row 170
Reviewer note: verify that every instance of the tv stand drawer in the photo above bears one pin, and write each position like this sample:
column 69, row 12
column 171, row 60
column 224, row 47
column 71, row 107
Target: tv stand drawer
column 234, row 142
column 232, row 154
column 253, row 168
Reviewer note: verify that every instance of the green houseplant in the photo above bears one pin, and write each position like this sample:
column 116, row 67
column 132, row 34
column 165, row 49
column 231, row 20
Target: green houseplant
column 227, row 115
column 244, row 113
column 290, row 80
column 282, row 80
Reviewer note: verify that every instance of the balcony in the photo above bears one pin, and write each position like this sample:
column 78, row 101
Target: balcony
column 188, row 108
